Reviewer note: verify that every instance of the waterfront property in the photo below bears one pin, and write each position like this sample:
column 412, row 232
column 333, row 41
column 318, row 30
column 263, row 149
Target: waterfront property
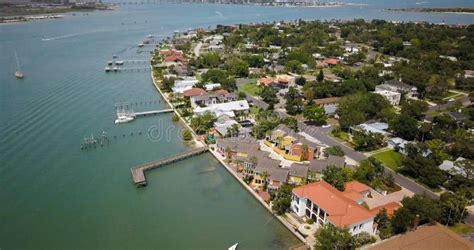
column 324, row 204
column 219, row 96
column 226, row 108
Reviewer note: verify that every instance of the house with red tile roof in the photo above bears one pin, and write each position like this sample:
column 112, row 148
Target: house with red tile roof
column 194, row 92
column 324, row 204
column 266, row 81
column 331, row 61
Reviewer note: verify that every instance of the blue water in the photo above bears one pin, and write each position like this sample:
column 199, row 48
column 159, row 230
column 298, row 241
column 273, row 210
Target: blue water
column 54, row 195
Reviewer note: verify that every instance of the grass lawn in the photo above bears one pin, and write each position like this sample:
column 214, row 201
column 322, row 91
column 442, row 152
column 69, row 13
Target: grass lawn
column 462, row 228
column 389, row 158
column 250, row 89
column 344, row 137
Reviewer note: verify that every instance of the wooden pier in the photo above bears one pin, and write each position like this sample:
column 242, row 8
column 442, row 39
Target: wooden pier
column 138, row 172
column 152, row 112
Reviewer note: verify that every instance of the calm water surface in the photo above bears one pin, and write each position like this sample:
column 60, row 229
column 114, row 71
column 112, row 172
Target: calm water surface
column 55, row 196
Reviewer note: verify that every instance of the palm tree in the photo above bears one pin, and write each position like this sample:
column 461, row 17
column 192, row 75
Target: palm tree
column 304, row 153
column 253, row 160
column 265, row 176
column 228, row 152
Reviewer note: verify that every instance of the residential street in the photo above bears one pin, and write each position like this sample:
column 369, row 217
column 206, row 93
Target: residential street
column 321, row 134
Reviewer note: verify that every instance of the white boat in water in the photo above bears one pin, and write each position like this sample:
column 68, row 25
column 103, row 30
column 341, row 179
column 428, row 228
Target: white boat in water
column 233, row 247
column 123, row 119
column 18, row 73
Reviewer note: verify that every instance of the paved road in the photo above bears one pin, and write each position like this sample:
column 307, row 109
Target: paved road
column 197, row 49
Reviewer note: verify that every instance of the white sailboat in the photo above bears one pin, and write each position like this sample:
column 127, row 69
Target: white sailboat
column 234, row 247
column 18, row 73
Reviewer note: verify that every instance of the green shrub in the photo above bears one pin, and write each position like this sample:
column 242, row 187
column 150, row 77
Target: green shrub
column 187, row 135
column 175, row 118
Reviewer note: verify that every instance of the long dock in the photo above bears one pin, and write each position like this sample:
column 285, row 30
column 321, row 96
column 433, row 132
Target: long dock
column 152, row 112
column 138, row 172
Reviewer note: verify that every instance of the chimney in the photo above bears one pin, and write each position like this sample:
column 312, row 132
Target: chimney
column 416, row 222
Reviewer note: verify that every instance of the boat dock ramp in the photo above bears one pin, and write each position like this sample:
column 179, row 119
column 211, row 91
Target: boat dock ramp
column 138, row 172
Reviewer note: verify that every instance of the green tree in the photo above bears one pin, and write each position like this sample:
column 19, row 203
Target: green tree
column 314, row 113
column 384, row 224
column 334, row 150
column 294, row 101
column 330, row 237
column 300, row 81
column 453, row 207
column 368, row 171
column 414, row 108
column 367, row 141
column 291, row 123
column 282, row 201
column 237, row 67
column 337, row 176
column 202, row 123
column 167, row 84
column 187, row 135
column 265, row 175
column 294, row 66
column 422, row 205
column 268, row 95
column 405, row 126
column 320, row 76
column 402, row 220
column 420, row 164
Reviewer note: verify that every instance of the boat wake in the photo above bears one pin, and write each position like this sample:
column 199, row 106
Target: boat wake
column 69, row 36
column 219, row 14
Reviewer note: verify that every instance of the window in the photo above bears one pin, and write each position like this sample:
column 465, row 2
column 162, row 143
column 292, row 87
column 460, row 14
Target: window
column 353, row 229
column 360, row 226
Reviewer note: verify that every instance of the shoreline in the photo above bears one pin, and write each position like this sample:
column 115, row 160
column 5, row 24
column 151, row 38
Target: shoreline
column 231, row 172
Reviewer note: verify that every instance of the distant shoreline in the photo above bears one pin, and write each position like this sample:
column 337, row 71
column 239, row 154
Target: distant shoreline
column 434, row 10
column 11, row 14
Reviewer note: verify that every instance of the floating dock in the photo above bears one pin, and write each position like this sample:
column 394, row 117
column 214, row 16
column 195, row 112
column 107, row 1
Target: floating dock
column 138, row 172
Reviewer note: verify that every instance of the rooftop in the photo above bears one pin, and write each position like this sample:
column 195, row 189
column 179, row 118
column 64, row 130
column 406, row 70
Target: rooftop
column 319, row 165
column 431, row 237
column 330, row 100
column 342, row 211
column 299, row 170
column 194, row 92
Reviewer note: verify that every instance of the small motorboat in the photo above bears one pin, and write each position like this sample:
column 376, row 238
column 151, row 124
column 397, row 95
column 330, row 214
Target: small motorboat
column 233, row 247
column 141, row 45
column 19, row 75
column 123, row 119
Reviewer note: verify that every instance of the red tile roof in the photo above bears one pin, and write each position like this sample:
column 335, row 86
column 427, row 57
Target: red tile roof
column 221, row 92
column 266, row 81
column 355, row 186
column 341, row 210
column 332, row 61
column 194, row 92
column 390, row 207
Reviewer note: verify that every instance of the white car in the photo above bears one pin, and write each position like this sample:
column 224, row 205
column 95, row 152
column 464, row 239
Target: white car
column 326, row 126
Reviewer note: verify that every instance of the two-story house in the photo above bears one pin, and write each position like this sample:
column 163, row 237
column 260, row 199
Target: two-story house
column 324, row 204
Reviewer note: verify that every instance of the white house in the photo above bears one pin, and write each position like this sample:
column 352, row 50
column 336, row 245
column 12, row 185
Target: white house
column 392, row 96
column 182, row 85
column 324, row 204
column 398, row 86
column 226, row 108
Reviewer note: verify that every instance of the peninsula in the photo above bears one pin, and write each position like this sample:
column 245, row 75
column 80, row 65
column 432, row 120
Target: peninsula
column 332, row 127
column 435, row 10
